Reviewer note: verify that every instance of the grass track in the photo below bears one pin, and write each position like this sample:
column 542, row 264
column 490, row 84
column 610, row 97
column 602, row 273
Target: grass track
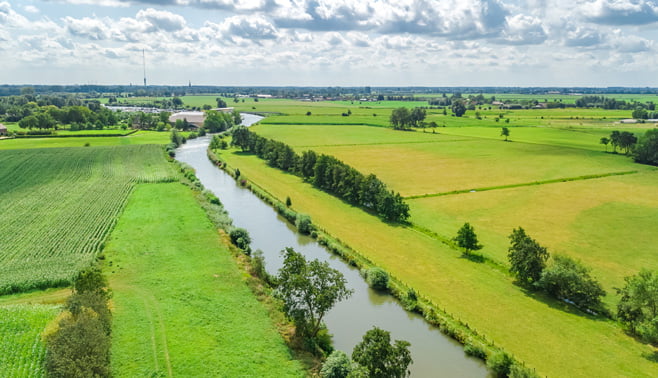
column 534, row 330
column 182, row 307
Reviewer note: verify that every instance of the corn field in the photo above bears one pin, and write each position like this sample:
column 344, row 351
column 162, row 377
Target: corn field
column 22, row 351
column 58, row 205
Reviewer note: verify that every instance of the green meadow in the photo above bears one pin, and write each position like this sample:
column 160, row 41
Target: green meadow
column 140, row 137
column 553, row 178
column 181, row 306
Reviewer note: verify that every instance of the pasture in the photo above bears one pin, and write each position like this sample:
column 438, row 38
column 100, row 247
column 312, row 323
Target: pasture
column 59, row 204
column 140, row 137
column 182, row 307
column 482, row 296
column 22, row 352
column 553, row 178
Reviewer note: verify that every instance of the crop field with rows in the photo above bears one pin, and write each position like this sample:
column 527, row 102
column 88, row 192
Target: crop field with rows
column 58, row 205
column 21, row 349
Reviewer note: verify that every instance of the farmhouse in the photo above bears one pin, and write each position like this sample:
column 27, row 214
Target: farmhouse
column 195, row 118
column 3, row 129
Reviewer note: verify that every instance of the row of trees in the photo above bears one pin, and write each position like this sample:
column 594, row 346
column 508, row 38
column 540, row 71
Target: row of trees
column 564, row 278
column 78, row 344
column 403, row 118
column 327, row 173
column 644, row 150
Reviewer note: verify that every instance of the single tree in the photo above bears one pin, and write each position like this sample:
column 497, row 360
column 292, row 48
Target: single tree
column 467, row 239
column 527, row 258
column 380, row 358
column 337, row 365
column 309, row 290
column 220, row 102
column 505, row 132
column 638, row 307
column 458, row 108
column 605, row 141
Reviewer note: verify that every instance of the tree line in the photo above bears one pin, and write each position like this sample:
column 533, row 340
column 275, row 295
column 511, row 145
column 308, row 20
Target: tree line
column 644, row 150
column 327, row 173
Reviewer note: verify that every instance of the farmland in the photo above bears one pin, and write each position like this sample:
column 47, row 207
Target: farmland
column 21, row 350
column 140, row 137
column 181, row 305
column 59, row 205
column 553, row 179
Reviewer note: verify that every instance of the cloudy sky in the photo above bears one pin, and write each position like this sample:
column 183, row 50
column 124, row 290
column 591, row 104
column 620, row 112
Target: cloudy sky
column 331, row 42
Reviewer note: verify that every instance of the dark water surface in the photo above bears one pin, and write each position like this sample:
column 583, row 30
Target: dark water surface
column 434, row 354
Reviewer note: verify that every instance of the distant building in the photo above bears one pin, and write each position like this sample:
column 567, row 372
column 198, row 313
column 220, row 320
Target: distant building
column 3, row 129
column 195, row 118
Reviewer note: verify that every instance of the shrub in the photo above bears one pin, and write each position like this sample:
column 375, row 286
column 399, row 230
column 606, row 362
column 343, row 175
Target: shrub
column 303, row 224
column 474, row 350
column 377, row 278
column 518, row 371
column 337, row 365
column 500, row 363
column 570, row 280
column 240, row 238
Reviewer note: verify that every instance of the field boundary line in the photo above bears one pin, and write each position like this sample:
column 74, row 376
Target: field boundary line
column 381, row 143
column 534, row 183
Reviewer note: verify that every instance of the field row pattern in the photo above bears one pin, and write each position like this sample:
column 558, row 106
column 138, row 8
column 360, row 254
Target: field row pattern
column 58, row 206
column 22, row 351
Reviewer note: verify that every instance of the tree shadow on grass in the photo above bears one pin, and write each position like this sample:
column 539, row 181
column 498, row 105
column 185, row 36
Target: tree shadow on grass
column 474, row 257
column 651, row 356
column 561, row 305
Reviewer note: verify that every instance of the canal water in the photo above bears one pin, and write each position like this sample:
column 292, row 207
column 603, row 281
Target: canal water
column 433, row 353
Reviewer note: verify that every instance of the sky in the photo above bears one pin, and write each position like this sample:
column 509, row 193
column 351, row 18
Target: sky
column 594, row 43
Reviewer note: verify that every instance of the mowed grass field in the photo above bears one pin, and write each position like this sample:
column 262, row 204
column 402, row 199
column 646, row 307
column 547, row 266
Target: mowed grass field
column 58, row 205
column 140, row 137
column 22, row 352
column 547, row 335
column 181, row 306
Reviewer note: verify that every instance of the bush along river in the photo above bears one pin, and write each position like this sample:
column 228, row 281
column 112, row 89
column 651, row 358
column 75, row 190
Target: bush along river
column 434, row 354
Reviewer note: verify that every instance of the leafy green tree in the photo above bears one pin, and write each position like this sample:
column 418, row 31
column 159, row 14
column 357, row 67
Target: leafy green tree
column 459, row 108
column 417, row 116
column 638, row 307
column 380, row 358
column 220, row 102
column 337, row 365
column 467, row 239
column 527, row 258
column 615, row 140
column 627, row 141
column 400, row 118
column 215, row 121
column 646, row 151
column 304, row 224
column 241, row 138
column 605, row 141
column 377, row 278
column 569, row 279
column 505, row 132
column 29, row 122
column 177, row 102
column 639, row 113
column 241, row 239
column 309, row 290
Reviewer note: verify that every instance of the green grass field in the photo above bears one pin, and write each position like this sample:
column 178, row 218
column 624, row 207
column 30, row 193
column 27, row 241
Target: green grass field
column 483, row 297
column 22, row 352
column 553, row 178
column 140, row 137
column 181, row 306
column 59, row 204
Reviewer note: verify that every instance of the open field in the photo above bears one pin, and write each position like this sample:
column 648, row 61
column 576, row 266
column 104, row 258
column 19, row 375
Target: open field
column 483, row 297
column 140, row 137
column 181, row 306
column 416, row 163
column 22, row 351
column 59, row 204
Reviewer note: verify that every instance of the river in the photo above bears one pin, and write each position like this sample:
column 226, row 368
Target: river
column 434, row 354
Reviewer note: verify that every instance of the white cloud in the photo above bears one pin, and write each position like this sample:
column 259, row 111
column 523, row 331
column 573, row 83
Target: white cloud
column 621, row 12
column 161, row 20
column 86, row 27
column 523, row 30
column 31, row 9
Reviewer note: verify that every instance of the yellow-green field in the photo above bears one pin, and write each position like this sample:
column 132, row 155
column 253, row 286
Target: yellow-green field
column 543, row 333
column 553, row 178
column 140, row 137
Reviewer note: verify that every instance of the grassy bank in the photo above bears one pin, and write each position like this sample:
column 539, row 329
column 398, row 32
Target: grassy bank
column 181, row 305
